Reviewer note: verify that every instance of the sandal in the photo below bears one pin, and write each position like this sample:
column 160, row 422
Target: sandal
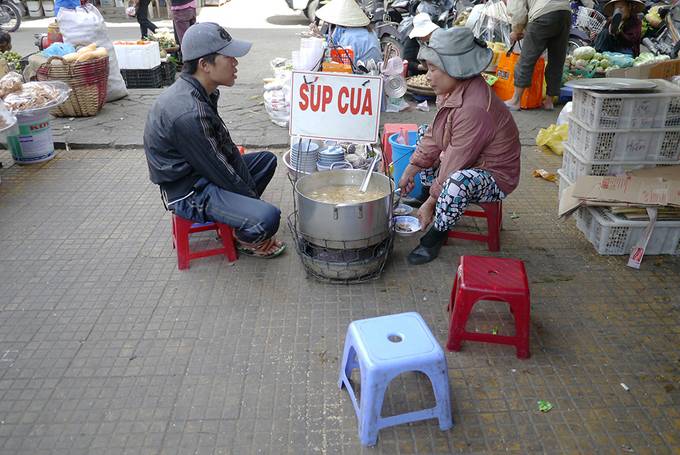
column 267, row 249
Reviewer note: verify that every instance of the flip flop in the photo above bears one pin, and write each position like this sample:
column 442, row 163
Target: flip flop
column 255, row 252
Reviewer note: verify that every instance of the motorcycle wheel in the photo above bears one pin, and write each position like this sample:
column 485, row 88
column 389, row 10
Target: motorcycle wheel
column 575, row 43
column 390, row 47
column 14, row 15
column 310, row 11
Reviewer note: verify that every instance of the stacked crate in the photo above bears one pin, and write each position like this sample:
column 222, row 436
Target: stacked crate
column 612, row 132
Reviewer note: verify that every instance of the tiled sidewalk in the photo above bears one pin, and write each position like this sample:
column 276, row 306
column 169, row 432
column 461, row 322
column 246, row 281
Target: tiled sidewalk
column 105, row 347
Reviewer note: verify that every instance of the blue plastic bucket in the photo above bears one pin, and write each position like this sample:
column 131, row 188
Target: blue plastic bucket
column 401, row 154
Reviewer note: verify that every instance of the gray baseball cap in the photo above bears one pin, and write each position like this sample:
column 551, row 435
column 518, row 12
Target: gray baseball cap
column 207, row 38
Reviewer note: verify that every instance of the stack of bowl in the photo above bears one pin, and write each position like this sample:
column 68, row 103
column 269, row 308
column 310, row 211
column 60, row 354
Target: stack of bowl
column 303, row 155
column 332, row 157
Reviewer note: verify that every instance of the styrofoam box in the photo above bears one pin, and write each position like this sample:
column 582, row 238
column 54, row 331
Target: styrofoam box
column 573, row 166
column 137, row 56
column 616, row 110
column 624, row 144
column 614, row 235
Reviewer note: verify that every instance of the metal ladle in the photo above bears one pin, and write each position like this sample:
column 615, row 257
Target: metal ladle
column 369, row 173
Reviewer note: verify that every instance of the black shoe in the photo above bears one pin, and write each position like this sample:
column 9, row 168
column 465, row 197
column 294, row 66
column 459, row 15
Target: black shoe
column 429, row 247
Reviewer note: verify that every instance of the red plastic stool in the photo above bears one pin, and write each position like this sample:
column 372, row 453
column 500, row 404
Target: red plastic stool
column 183, row 228
column 486, row 278
column 388, row 130
column 493, row 212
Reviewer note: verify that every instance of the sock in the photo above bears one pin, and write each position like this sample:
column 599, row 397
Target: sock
column 433, row 237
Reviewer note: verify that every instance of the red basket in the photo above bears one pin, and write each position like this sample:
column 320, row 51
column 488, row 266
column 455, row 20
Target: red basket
column 88, row 81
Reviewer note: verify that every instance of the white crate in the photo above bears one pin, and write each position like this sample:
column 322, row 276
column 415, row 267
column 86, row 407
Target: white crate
column 137, row 56
column 613, row 235
column 623, row 145
column 35, row 8
column 564, row 184
column 615, row 110
column 573, row 166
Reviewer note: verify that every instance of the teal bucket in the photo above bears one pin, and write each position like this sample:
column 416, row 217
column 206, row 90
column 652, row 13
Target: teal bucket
column 401, row 154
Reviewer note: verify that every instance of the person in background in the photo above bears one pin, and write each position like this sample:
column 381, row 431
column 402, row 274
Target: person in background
column 623, row 30
column 422, row 30
column 142, row 13
column 542, row 24
column 5, row 41
column 191, row 156
column 349, row 27
column 183, row 17
column 472, row 146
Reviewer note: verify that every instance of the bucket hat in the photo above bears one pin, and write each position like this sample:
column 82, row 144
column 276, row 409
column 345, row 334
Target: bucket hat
column 456, row 51
column 636, row 6
column 343, row 12
column 422, row 26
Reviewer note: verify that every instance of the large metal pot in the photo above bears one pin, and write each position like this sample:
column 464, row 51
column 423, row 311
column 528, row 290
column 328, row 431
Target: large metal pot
column 344, row 226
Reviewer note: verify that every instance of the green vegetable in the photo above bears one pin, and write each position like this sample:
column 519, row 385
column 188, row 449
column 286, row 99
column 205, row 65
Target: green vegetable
column 584, row 52
column 544, row 406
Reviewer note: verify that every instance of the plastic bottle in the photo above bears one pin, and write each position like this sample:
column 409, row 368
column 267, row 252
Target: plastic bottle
column 402, row 138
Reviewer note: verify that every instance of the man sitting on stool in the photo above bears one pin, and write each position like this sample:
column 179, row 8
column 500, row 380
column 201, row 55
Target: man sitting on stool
column 190, row 154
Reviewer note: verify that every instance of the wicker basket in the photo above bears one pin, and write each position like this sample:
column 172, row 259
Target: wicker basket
column 87, row 81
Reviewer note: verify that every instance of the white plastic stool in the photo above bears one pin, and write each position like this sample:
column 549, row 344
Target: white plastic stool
column 383, row 348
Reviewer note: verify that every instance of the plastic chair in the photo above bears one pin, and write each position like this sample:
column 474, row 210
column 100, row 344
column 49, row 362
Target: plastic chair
column 497, row 279
column 383, row 348
column 493, row 212
column 183, row 228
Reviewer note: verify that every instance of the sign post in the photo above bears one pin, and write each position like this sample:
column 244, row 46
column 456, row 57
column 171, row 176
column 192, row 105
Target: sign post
column 336, row 106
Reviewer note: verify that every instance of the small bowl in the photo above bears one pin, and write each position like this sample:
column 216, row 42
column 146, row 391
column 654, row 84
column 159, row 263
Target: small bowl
column 406, row 225
column 402, row 209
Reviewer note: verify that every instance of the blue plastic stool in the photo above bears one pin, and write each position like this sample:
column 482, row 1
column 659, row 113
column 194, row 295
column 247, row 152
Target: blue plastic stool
column 383, row 348
column 566, row 94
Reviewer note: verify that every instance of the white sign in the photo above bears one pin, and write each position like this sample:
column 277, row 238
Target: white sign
column 336, row 106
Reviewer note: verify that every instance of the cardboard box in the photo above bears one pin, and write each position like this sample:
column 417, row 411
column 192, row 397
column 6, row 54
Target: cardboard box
column 658, row 186
column 661, row 70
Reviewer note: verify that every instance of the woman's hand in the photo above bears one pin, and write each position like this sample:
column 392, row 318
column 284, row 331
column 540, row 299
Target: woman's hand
column 407, row 182
column 426, row 213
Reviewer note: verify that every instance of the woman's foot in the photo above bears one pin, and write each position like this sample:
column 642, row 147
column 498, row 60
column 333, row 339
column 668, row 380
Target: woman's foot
column 266, row 249
column 513, row 106
column 548, row 103
column 429, row 247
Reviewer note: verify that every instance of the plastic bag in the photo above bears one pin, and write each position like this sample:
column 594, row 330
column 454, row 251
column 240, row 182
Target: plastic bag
column 84, row 25
column 58, row 50
column 277, row 98
column 552, row 138
column 563, row 118
column 493, row 23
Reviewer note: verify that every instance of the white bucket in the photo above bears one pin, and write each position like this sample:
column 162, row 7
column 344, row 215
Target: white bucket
column 30, row 140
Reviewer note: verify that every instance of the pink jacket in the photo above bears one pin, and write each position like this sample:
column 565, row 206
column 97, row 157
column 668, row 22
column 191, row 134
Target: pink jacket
column 472, row 129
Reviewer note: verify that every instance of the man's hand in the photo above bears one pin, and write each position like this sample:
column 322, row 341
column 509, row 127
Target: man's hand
column 406, row 182
column 516, row 36
column 426, row 213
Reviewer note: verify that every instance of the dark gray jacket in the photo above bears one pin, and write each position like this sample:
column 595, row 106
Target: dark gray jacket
column 185, row 139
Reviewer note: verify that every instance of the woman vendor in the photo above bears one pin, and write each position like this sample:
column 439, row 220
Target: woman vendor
column 623, row 30
column 473, row 140
column 349, row 27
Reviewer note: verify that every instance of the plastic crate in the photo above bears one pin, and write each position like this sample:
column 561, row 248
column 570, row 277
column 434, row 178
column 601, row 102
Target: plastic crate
column 624, row 145
column 152, row 78
column 590, row 21
column 132, row 55
column 573, row 166
column 615, row 110
column 564, row 184
column 168, row 71
column 613, row 235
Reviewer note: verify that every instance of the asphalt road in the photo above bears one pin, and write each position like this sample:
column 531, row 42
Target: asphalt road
column 270, row 26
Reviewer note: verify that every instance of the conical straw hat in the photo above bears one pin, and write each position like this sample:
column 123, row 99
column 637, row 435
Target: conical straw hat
column 343, row 12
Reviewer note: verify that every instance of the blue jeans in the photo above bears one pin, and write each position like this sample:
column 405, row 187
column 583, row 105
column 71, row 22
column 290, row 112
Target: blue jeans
column 252, row 219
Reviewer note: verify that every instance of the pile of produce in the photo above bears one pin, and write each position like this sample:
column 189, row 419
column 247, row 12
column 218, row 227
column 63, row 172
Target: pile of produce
column 19, row 96
column 419, row 81
column 647, row 58
column 586, row 62
column 165, row 39
column 86, row 53
column 11, row 57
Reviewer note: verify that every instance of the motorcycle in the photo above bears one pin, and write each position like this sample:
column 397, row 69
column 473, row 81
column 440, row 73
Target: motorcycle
column 586, row 23
column 665, row 39
column 10, row 16
column 309, row 7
